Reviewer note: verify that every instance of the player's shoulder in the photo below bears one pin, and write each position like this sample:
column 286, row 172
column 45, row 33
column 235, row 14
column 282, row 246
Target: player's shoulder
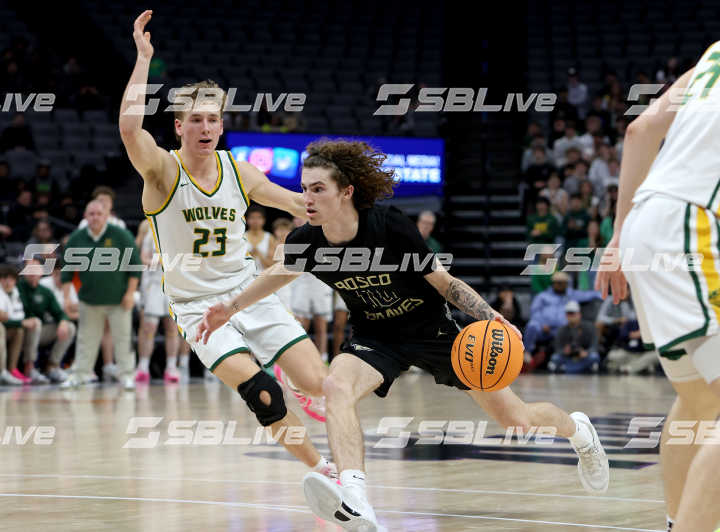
column 305, row 234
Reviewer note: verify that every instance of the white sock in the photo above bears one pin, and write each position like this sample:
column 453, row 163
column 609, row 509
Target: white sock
column 171, row 363
column 144, row 365
column 670, row 522
column 184, row 359
column 582, row 437
column 322, row 464
column 355, row 480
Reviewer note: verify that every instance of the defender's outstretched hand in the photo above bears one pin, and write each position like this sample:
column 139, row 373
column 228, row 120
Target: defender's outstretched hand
column 213, row 319
column 611, row 278
column 142, row 37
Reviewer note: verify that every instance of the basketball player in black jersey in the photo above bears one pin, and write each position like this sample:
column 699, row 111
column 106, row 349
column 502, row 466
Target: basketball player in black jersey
column 397, row 294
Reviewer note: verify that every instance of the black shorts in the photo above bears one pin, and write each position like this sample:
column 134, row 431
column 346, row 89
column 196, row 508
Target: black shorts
column 393, row 358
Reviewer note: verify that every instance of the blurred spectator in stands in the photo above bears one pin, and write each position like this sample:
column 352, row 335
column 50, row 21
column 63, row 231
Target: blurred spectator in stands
column 597, row 109
column 534, row 130
column 577, row 93
column 56, row 328
column 575, row 223
column 104, row 295
column 599, row 169
column 558, row 129
column 610, row 319
column 542, row 227
column 629, row 354
column 669, row 73
column 613, row 93
column 613, row 170
column 575, row 345
column 569, row 140
column 18, row 327
column 67, row 211
column 13, row 80
column 20, row 217
column 586, row 278
column 571, row 183
column 535, row 177
column 590, row 202
column 54, row 284
column 426, row 224
column 528, row 157
column 508, row 305
column 42, row 234
column 642, row 78
column 542, row 281
column 41, row 209
column 563, row 108
column 43, row 181
column 556, row 195
column 547, row 311
column 593, row 129
column 106, row 196
column 88, row 98
column 17, row 135
column 8, row 185
column 608, row 213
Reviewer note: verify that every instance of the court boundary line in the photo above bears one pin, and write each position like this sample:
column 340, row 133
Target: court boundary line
column 300, row 509
column 378, row 486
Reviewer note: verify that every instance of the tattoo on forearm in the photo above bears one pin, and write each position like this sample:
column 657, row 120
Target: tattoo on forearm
column 466, row 299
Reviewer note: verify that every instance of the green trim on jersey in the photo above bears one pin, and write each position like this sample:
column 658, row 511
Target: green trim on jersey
column 195, row 183
column 285, row 348
column 698, row 290
column 238, row 179
column 170, row 197
column 229, row 353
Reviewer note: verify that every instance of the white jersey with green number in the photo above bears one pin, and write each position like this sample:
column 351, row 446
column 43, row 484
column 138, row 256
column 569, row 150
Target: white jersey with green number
column 688, row 164
column 200, row 235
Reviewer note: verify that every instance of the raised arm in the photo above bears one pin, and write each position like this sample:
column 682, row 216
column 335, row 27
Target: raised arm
column 259, row 188
column 268, row 282
column 151, row 161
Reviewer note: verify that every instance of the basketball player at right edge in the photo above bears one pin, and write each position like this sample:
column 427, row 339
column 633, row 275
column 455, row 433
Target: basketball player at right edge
column 195, row 199
column 668, row 205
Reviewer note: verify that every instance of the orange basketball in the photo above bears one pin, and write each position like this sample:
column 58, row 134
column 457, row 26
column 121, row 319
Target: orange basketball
column 487, row 355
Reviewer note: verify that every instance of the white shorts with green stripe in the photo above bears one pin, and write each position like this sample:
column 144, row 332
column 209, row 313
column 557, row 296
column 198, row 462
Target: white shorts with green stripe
column 266, row 329
column 671, row 259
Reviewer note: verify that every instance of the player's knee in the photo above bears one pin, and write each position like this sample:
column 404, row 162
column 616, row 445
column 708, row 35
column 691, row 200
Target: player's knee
column 337, row 390
column 264, row 398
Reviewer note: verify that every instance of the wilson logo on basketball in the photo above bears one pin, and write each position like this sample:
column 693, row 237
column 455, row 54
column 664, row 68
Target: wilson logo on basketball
column 496, row 349
column 469, row 345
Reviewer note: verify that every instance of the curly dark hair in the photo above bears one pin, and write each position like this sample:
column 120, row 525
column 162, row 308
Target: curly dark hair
column 353, row 163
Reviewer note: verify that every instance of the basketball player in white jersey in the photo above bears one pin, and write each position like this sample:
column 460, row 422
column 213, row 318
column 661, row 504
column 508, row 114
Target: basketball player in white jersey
column 195, row 198
column 668, row 206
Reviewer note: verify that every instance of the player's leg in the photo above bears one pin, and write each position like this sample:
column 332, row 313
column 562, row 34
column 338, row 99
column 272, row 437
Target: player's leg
column 339, row 322
column 146, row 343
column 110, row 369
column 31, row 345
column 120, row 321
column 303, row 365
column 697, row 509
column 172, row 346
column 350, row 380
column 320, row 326
column 510, row 411
column 91, row 324
column 264, row 397
column 59, row 348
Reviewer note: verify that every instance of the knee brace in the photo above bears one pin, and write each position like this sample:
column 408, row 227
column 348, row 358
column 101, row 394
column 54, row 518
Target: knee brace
column 250, row 392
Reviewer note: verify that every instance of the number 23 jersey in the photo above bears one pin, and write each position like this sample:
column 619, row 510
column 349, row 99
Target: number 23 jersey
column 200, row 234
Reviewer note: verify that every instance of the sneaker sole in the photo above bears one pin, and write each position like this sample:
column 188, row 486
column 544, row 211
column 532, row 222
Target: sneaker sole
column 586, row 421
column 325, row 500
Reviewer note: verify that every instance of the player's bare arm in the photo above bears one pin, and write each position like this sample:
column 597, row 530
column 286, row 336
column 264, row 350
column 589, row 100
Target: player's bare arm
column 464, row 297
column 260, row 189
column 640, row 147
column 269, row 281
column 154, row 164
